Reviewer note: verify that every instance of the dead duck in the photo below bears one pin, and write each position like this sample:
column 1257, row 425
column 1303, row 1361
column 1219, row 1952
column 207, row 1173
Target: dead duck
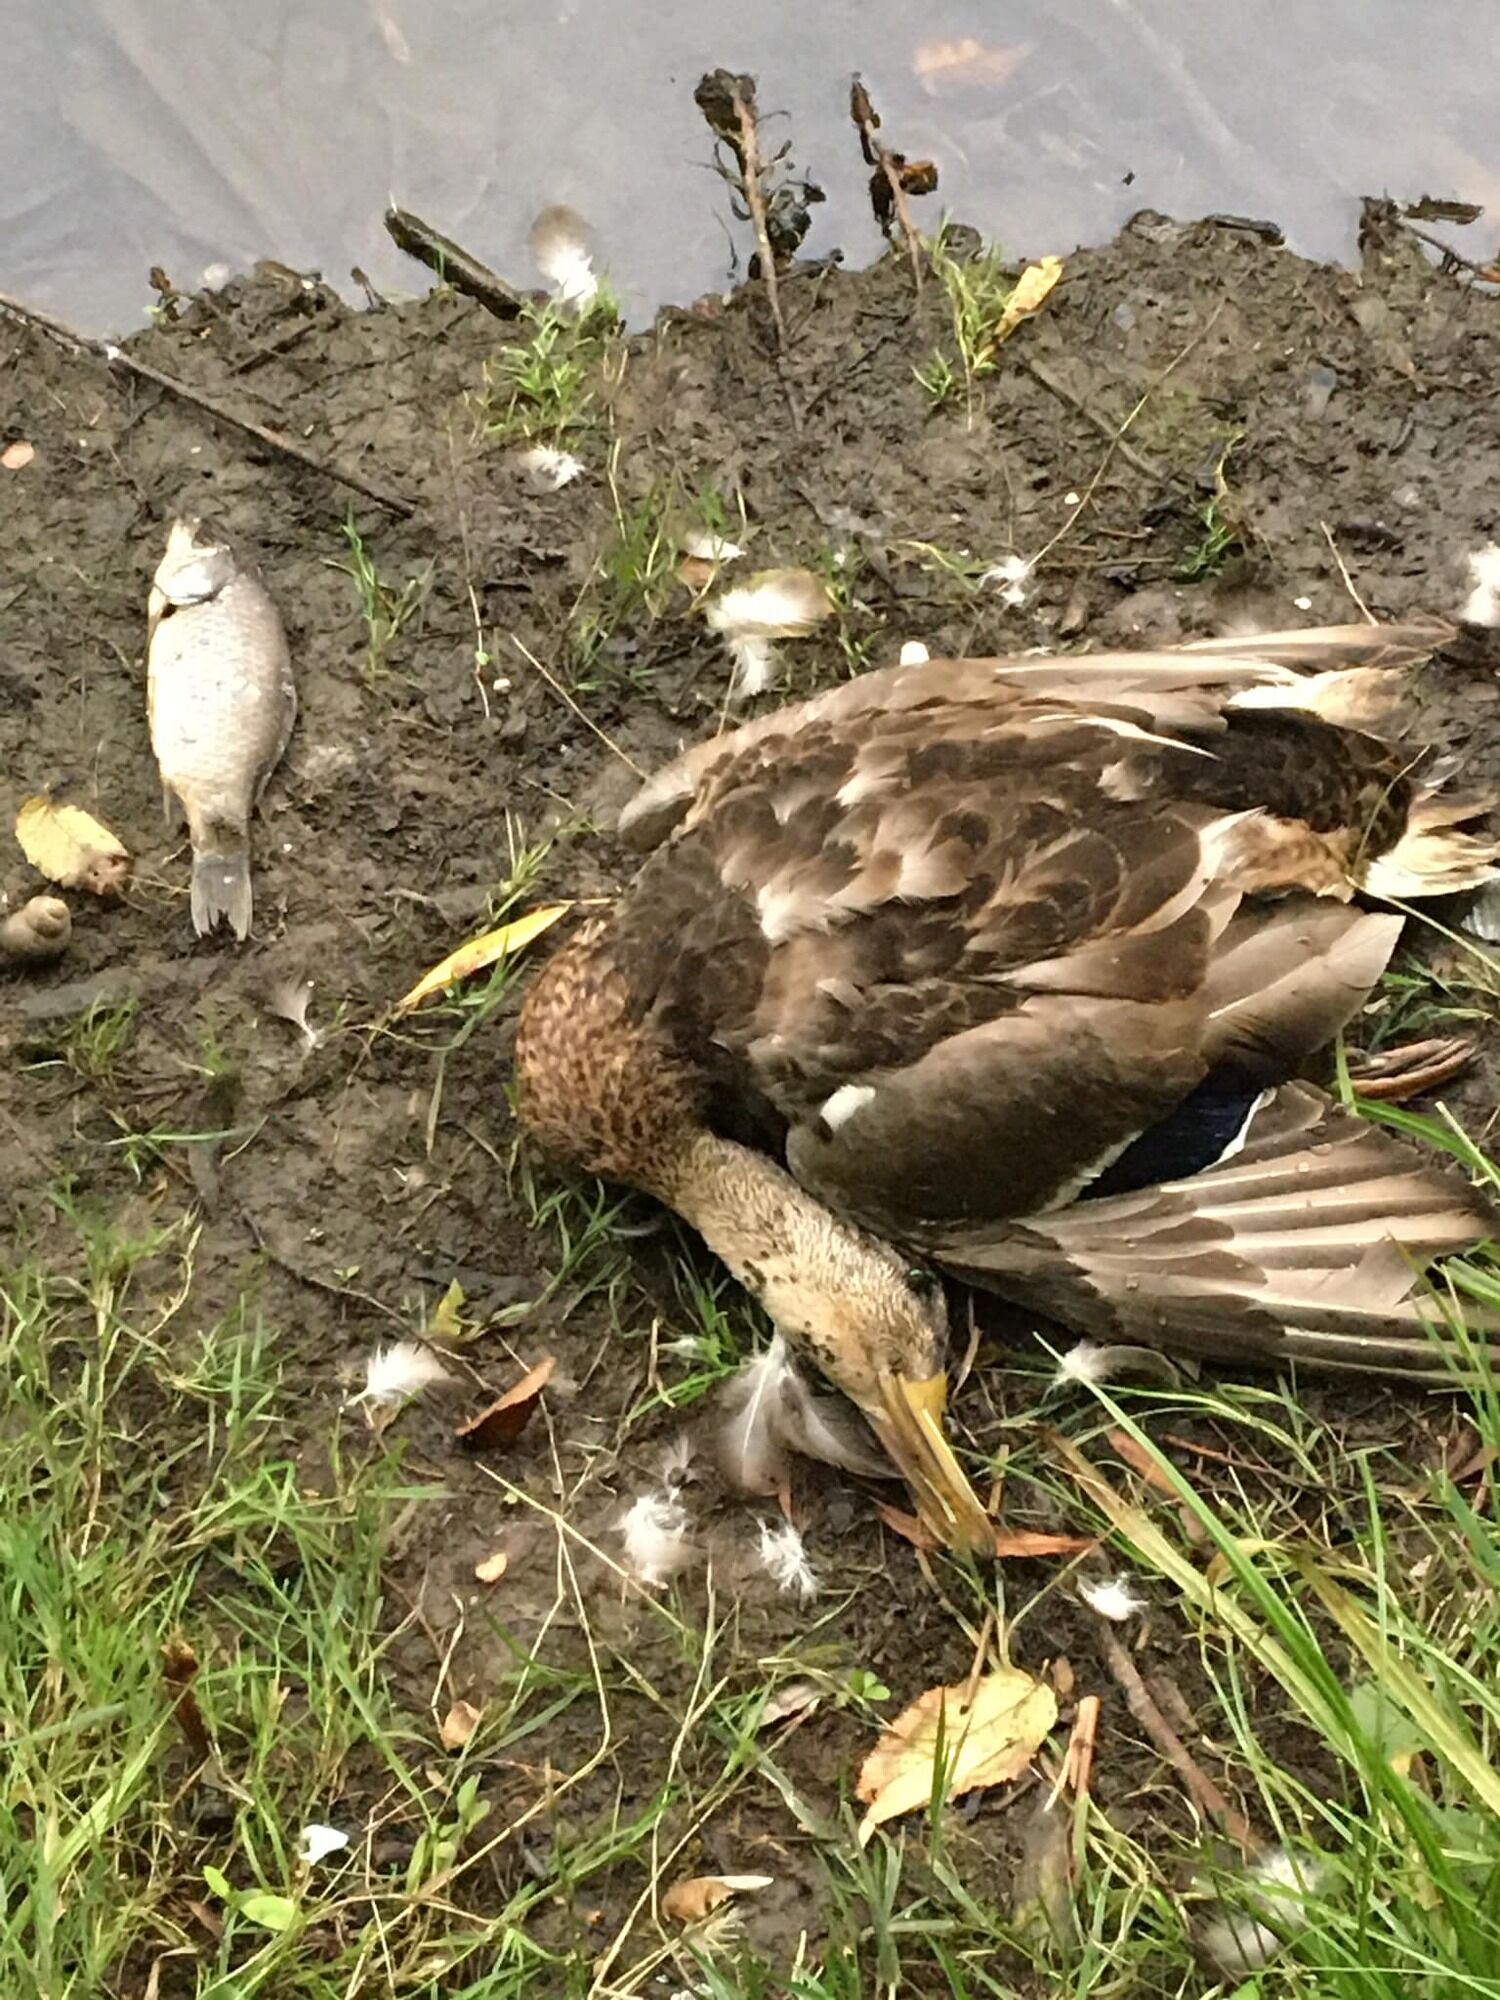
column 1005, row 969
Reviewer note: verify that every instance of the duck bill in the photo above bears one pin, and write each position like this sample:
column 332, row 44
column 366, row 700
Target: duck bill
column 910, row 1426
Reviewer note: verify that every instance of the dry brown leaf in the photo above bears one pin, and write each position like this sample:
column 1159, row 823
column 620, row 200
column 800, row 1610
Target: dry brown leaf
column 794, row 1699
column 493, row 1567
column 941, row 65
column 480, row 953
column 1030, row 292
column 986, row 1733
column 18, row 455
column 179, row 1666
column 1008, row 1541
column 508, row 1415
column 459, row 1724
column 69, row 846
column 691, row 1900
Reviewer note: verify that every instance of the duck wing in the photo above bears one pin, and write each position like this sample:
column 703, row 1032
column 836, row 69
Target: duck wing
column 1310, row 1245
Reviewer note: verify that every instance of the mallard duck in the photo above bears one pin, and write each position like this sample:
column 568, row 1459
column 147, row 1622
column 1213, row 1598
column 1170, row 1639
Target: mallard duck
column 1006, row 969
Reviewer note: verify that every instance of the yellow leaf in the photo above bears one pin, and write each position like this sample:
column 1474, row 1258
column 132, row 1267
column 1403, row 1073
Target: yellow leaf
column 1031, row 288
column 445, row 1323
column 985, row 1735
column 481, row 952
column 69, row 846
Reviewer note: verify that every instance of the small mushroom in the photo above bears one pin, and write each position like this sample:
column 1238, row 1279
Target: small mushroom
column 37, row 932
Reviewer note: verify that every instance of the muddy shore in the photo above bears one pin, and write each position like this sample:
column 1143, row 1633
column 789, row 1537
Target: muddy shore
column 1308, row 443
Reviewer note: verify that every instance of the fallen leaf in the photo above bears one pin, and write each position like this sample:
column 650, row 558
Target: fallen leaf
column 458, row 1725
column 986, row 1734
column 508, row 1415
column 941, row 64
column 794, row 1699
column 689, row 1901
column 272, row 1913
column 445, row 1323
column 179, row 1665
column 493, row 1567
column 1029, row 293
column 68, row 845
column 1008, row 1541
column 16, row 456
column 480, row 953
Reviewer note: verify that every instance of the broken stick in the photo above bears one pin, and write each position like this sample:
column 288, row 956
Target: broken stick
column 116, row 358
column 452, row 264
column 895, row 177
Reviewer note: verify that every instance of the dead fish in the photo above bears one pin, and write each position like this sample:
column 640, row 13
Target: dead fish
column 221, row 703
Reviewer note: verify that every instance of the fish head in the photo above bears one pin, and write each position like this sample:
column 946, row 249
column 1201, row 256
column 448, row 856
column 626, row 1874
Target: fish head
column 197, row 565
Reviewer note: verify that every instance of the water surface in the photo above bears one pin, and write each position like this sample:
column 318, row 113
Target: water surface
column 193, row 132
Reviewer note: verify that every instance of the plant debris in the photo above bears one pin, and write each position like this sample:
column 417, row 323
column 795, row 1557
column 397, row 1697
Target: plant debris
column 492, row 1568
column 179, row 1665
column 769, row 195
column 480, row 953
column 505, row 1419
column 691, row 1900
column 894, row 179
column 459, row 1724
column 981, row 1733
column 69, row 846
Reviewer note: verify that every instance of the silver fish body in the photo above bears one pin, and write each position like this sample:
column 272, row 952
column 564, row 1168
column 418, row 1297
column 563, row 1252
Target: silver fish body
column 221, row 702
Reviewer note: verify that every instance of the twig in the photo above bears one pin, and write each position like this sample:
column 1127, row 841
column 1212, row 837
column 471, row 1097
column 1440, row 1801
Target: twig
column 1102, row 425
column 453, row 264
column 1117, row 437
column 558, row 689
column 1344, row 573
column 1201, row 1788
column 894, row 169
column 116, row 357
column 1485, row 272
column 727, row 102
column 1078, row 1764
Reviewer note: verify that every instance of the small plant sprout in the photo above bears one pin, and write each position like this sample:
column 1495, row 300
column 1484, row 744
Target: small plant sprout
column 396, row 1373
column 784, row 1558
column 1482, row 605
column 1113, row 1597
column 658, row 1538
column 387, row 609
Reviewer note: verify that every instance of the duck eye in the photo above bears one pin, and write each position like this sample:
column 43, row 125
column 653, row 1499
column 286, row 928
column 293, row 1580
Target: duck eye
column 920, row 1281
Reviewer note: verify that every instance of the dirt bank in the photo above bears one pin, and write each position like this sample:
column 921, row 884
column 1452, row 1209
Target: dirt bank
column 1302, row 437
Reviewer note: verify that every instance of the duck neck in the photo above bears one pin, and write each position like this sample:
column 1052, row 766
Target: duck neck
column 748, row 1210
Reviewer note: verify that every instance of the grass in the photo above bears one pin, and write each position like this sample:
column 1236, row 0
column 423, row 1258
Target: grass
column 977, row 291
column 541, row 390
column 1327, row 1605
column 1221, row 532
column 386, row 608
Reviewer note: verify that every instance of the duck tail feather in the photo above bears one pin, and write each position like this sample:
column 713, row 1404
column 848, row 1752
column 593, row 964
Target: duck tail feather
column 1315, row 1244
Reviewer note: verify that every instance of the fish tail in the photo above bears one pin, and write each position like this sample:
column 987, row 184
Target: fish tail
column 221, row 880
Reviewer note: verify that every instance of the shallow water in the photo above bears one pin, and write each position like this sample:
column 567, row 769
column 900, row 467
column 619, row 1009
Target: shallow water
column 192, row 132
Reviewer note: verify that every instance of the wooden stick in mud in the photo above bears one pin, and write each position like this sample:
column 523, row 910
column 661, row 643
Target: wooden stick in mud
column 453, row 264
column 1200, row 1787
column 116, row 357
column 866, row 121
column 727, row 102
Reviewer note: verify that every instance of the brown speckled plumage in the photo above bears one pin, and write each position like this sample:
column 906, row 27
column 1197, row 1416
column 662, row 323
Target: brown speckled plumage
column 1022, row 909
